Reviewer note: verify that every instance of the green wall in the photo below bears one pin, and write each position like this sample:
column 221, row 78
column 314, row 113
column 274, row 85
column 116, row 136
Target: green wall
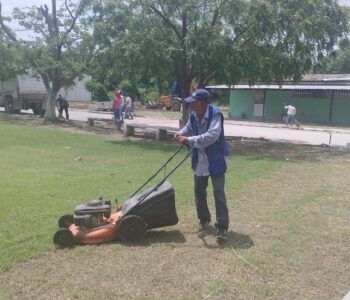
column 241, row 104
column 309, row 110
column 312, row 110
column 341, row 111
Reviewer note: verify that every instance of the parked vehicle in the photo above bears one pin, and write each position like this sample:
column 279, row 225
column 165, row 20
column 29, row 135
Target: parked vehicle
column 23, row 92
column 168, row 102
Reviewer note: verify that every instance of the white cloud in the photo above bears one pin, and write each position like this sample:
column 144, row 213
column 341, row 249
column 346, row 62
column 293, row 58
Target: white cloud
column 344, row 2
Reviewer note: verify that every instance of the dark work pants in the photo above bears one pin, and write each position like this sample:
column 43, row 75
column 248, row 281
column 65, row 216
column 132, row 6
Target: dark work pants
column 200, row 192
column 60, row 110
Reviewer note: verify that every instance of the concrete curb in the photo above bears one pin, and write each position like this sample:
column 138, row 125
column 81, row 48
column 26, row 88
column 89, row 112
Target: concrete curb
column 282, row 126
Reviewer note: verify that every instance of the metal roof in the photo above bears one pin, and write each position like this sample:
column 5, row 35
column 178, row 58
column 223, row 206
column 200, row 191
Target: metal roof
column 326, row 77
column 280, row 87
column 309, row 82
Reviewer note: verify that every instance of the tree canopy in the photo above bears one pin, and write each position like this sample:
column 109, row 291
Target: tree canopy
column 338, row 62
column 154, row 42
column 225, row 41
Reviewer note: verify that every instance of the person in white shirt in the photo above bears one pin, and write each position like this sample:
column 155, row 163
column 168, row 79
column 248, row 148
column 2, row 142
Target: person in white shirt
column 291, row 112
column 128, row 108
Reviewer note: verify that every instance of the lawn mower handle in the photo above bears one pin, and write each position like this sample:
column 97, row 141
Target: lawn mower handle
column 163, row 166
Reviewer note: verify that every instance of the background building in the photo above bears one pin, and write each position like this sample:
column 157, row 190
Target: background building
column 319, row 98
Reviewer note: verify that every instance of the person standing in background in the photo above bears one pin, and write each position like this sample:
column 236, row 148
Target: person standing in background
column 291, row 112
column 62, row 105
column 117, row 106
column 128, row 108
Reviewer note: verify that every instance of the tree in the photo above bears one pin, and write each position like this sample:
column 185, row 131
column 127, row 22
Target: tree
column 116, row 65
column 10, row 56
column 227, row 41
column 62, row 46
column 338, row 62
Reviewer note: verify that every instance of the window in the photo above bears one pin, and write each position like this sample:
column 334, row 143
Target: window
column 309, row 93
column 259, row 97
column 341, row 94
column 302, row 93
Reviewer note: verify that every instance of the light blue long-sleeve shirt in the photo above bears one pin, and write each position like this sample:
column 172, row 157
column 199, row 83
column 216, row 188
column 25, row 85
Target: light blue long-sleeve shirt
column 203, row 139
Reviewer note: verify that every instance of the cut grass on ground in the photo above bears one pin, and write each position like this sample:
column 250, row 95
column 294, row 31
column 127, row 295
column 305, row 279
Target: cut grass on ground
column 289, row 222
column 45, row 173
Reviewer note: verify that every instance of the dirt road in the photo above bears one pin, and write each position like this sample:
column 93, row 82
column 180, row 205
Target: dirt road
column 313, row 135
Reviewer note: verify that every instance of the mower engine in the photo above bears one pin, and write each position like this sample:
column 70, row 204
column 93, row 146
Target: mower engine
column 93, row 213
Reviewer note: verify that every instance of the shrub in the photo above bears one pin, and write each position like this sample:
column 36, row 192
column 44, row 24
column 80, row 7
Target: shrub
column 98, row 90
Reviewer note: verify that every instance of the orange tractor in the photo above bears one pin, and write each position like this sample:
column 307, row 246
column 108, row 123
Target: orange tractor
column 168, row 102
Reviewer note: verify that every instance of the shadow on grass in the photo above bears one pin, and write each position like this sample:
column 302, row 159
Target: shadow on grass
column 158, row 237
column 165, row 236
column 234, row 240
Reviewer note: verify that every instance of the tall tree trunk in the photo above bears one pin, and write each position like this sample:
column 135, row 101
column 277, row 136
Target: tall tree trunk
column 52, row 91
column 50, row 112
column 185, row 87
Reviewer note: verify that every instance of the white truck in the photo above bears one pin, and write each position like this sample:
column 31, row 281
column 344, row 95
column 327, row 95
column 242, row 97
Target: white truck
column 23, row 92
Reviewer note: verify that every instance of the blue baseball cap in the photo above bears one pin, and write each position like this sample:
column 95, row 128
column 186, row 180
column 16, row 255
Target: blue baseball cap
column 199, row 94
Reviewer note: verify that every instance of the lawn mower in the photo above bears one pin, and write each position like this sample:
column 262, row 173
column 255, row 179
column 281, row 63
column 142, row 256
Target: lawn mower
column 95, row 223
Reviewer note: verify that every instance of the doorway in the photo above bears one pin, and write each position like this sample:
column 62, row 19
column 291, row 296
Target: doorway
column 259, row 104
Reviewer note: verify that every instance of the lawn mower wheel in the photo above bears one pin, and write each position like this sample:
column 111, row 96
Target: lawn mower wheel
column 65, row 221
column 132, row 228
column 63, row 238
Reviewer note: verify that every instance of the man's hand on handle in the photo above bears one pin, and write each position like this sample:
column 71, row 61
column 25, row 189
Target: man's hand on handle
column 181, row 138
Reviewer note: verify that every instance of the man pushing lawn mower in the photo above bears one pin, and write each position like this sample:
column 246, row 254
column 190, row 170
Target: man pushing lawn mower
column 204, row 132
column 94, row 222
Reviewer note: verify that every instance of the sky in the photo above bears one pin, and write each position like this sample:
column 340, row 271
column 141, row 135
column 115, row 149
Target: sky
column 8, row 5
column 345, row 2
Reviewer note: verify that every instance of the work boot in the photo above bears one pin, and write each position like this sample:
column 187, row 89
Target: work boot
column 202, row 225
column 221, row 235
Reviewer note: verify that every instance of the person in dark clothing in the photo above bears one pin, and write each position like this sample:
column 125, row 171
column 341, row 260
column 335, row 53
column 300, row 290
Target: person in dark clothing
column 62, row 105
column 204, row 132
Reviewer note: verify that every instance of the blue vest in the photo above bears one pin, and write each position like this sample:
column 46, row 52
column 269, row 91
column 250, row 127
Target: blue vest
column 217, row 151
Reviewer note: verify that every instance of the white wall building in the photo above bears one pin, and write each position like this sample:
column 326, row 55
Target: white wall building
column 78, row 92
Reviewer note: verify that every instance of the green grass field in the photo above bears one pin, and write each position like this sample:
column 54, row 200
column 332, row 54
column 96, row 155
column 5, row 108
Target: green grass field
column 46, row 173
column 288, row 239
